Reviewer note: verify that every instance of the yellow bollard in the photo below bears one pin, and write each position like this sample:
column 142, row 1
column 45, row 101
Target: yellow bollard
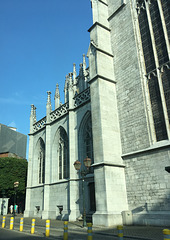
column 166, row 233
column 65, row 236
column 47, row 232
column 120, row 232
column 11, row 223
column 21, row 224
column 33, row 226
column 3, row 222
column 89, row 231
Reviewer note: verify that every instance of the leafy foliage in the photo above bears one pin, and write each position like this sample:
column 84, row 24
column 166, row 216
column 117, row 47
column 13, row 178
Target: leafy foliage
column 12, row 170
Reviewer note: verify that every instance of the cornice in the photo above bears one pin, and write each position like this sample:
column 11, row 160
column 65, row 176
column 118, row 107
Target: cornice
column 103, row 2
column 102, row 77
column 156, row 147
column 115, row 12
column 100, row 25
column 103, row 51
column 102, row 164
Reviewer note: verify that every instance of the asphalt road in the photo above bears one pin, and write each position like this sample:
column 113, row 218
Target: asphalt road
column 6, row 234
column 75, row 231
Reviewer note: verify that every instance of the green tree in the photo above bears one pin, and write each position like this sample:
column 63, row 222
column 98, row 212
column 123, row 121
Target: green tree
column 13, row 170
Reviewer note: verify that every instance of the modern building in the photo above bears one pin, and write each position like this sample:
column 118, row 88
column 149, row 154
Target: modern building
column 12, row 143
column 117, row 113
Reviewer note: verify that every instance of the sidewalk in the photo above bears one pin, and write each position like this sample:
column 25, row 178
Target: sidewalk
column 130, row 232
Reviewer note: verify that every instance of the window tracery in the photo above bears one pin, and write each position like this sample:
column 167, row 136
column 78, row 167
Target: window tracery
column 63, row 157
column 41, row 160
column 154, row 28
column 88, row 139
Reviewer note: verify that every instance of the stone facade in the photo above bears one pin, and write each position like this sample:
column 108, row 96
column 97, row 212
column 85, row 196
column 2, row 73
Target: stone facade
column 116, row 112
column 148, row 186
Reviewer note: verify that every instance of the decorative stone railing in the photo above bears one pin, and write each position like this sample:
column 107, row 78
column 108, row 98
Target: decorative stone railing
column 40, row 124
column 82, row 97
column 62, row 110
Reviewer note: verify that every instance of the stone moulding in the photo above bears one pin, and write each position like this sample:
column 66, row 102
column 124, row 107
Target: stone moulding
column 102, row 164
column 103, row 2
column 157, row 146
column 61, row 111
column 161, row 69
column 165, row 66
column 117, row 10
column 152, row 73
column 82, row 98
column 102, row 77
column 100, row 25
column 39, row 125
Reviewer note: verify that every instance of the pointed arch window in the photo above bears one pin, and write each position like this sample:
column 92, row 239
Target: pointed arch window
column 88, row 139
column 41, row 160
column 63, row 156
column 153, row 18
column 85, row 139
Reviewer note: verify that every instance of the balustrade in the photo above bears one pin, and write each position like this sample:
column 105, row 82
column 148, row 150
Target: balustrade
column 82, row 97
column 62, row 110
column 40, row 124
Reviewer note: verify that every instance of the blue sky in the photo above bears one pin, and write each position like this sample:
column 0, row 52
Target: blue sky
column 39, row 42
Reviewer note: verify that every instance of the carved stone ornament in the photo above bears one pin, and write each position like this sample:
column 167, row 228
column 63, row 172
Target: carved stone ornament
column 82, row 97
column 40, row 124
column 62, row 110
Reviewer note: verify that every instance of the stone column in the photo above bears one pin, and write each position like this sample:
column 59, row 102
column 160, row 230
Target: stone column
column 73, row 184
column 45, row 213
column 74, row 77
column 28, row 211
column 66, row 89
column 110, row 187
column 57, row 97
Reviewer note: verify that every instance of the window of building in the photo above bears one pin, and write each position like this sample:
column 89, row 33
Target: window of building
column 85, row 139
column 88, row 139
column 154, row 24
column 63, row 157
column 41, row 160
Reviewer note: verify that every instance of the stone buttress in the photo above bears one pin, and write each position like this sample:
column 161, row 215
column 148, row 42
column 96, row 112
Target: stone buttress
column 110, row 187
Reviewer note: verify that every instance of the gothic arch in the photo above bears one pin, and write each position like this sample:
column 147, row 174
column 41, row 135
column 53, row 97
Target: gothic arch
column 85, row 143
column 85, row 138
column 40, row 160
column 60, row 155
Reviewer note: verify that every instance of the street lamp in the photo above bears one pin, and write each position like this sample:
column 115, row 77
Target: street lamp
column 77, row 165
column 16, row 184
column 3, row 202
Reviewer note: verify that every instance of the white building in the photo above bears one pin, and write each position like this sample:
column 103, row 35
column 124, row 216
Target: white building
column 117, row 113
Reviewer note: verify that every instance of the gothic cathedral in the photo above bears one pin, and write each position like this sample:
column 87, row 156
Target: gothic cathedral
column 117, row 113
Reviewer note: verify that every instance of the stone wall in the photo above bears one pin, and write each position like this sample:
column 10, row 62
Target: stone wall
column 131, row 106
column 148, row 190
column 59, row 196
column 148, row 187
column 36, row 203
